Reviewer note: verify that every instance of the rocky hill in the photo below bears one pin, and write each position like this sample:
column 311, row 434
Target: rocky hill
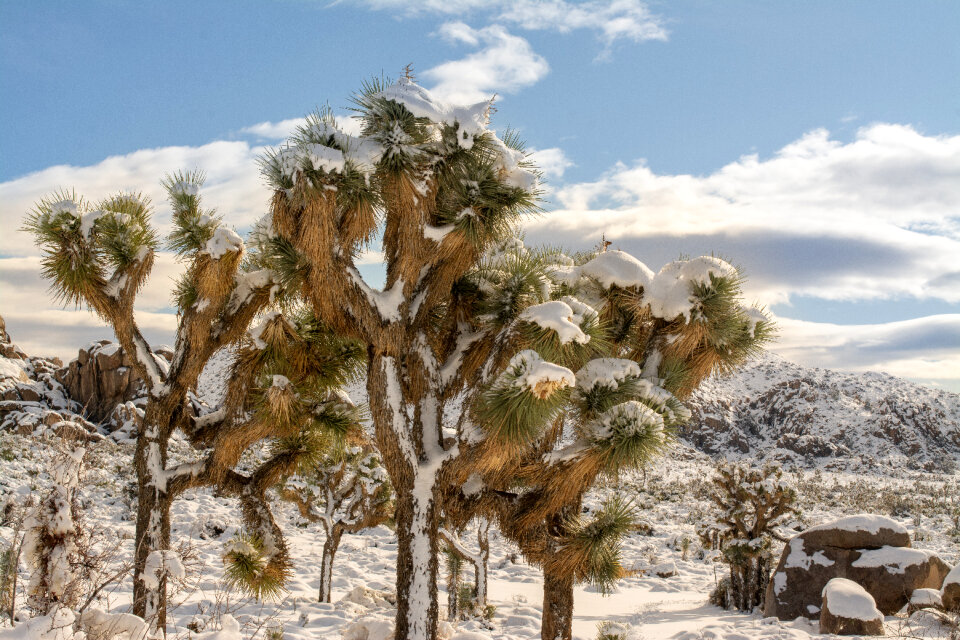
column 777, row 410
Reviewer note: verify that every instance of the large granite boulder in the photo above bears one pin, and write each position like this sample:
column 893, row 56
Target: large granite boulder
column 848, row 610
column 102, row 377
column 872, row 550
column 893, row 574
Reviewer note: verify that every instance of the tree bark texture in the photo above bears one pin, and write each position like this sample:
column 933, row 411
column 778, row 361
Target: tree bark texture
column 330, row 546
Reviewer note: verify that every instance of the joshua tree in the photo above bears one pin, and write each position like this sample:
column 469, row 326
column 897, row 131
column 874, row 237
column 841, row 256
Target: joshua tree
column 463, row 338
column 458, row 552
column 639, row 343
column 750, row 504
column 281, row 384
column 353, row 493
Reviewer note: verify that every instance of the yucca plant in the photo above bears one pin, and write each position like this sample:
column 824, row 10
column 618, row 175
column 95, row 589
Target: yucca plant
column 625, row 346
column 284, row 382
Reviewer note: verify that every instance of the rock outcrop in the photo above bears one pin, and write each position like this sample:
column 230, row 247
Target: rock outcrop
column 848, row 610
column 102, row 377
column 873, row 551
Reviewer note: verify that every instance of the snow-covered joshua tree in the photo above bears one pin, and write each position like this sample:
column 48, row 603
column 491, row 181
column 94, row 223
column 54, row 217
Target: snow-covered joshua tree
column 639, row 342
column 281, row 383
column 464, row 338
column 348, row 491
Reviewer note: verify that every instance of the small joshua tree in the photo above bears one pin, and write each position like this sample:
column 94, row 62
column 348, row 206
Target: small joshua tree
column 347, row 492
column 750, row 504
column 468, row 600
column 281, row 384
column 466, row 319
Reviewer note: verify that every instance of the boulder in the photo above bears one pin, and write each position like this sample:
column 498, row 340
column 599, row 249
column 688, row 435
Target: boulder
column 924, row 599
column 883, row 564
column 665, row 570
column 950, row 592
column 862, row 531
column 847, row 610
column 892, row 574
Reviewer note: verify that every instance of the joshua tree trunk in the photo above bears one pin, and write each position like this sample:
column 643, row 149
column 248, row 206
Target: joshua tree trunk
column 153, row 525
column 330, row 546
column 453, row 587
column 480, row 568
column 557, row 621
column 748, row 582
column 417, row 566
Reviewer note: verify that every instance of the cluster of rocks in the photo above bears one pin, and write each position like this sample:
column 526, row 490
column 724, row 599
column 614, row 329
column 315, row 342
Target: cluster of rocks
column 852, row 572
column 102, row 377
column 31, row 397
column 97, row 393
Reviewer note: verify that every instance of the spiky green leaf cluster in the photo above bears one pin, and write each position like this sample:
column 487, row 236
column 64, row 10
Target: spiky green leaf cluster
column 511, row 410
column 594, row 544
column 84, row 246
column 247, row 568
column 192, row 226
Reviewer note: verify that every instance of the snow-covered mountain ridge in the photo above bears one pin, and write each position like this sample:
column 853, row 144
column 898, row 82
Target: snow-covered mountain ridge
column 773, row 409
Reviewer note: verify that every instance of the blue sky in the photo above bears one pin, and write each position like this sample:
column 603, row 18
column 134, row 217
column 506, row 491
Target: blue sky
column 815, row 143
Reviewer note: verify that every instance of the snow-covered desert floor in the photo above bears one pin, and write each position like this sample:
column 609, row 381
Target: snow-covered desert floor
column 671, row 497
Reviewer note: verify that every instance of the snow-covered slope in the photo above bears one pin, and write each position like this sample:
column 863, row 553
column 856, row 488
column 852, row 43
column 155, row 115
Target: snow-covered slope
column 776, row 410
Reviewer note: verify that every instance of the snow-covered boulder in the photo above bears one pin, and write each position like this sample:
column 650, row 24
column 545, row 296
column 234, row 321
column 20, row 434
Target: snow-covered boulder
column 924, row 599
column 861, row 531
column 872, row 550
column 847, row 609
column 369, row 628
column 950, row 592
column 665, row 570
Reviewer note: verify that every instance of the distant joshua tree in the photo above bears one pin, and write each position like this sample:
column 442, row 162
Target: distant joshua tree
column 749, row 505
column 348, row 491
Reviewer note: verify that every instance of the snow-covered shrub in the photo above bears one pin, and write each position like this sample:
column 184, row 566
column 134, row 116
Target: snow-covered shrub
column 608, row 630
column 52, row 533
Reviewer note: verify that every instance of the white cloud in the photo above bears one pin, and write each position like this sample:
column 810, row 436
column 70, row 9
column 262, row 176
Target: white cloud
column 875, row 218
column 553, row 161
column 233, row 186
column 285, row 128
column 611, row 20
column 504, row 63
column 922, row 348
column 273, row 130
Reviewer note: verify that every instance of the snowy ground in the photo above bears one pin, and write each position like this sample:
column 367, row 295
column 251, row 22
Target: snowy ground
column 671, row 498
